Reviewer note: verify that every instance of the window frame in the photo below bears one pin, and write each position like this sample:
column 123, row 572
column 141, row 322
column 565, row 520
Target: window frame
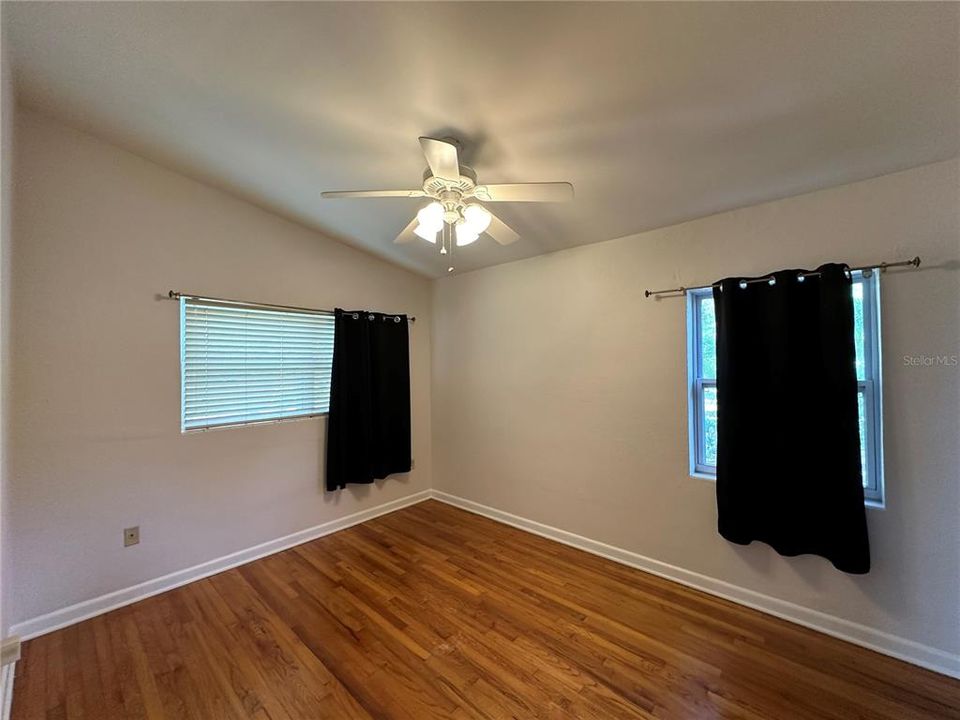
column 696, row 384
column 184, row 430
column 870, row 388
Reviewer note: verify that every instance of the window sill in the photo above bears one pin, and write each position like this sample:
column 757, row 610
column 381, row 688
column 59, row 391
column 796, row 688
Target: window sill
column 255, row 423
column 703, row 476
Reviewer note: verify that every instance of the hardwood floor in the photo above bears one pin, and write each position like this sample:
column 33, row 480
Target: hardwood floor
column 432, row 612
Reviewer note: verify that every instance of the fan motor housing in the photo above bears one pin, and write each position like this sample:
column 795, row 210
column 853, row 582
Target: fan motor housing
column 436, row 187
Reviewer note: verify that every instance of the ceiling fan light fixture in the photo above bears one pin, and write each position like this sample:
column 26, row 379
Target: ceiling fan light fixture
column 455, row 195
column 476, row 218
column 431, row 217
column 465, row 234
column 427, row 233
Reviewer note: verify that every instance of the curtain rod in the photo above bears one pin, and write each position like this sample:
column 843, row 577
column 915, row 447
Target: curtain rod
column 175, row 295
column 882, row 267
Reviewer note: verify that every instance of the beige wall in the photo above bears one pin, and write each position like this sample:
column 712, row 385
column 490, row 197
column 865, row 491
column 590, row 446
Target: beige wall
column 559, row 394
column 99, row 235
column 6, row 186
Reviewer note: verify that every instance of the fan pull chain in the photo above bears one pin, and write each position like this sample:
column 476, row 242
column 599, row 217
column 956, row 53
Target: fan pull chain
column 450, row 244
column 446, row 244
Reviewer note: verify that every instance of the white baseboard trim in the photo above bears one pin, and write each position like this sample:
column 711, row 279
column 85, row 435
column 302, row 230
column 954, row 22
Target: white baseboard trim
column 9, row 654
column 10, row 650
column 912, row 652
column 6, row 689
column 57, row 619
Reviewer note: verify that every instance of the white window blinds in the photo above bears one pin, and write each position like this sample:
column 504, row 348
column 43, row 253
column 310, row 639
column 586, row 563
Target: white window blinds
column 244, row 365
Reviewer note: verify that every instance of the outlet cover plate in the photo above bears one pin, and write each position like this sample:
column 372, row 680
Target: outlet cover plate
column 131, row 536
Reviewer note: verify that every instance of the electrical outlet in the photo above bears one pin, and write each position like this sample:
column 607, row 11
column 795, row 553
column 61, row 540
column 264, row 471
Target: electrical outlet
column 131, row 536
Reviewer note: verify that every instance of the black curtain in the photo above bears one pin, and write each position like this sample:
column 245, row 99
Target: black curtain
column 788, row 454
column 368, row 427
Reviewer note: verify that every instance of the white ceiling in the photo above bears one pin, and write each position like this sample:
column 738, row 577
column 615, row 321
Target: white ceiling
column 656, row 112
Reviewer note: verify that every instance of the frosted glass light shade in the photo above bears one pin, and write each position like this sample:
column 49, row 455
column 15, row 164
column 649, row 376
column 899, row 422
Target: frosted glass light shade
column 476, row 218
column 427, row 233
column 465, row 234
column 431, row 217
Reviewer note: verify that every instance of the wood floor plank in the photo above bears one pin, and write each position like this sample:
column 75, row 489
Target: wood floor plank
column 433, row 612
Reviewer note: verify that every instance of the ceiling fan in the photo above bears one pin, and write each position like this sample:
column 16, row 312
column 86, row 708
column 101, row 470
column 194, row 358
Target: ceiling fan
column 455, row 211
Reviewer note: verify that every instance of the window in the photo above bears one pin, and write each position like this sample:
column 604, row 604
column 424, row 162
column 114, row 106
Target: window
column 703, row 365
column 242, row 365
column 703, row 381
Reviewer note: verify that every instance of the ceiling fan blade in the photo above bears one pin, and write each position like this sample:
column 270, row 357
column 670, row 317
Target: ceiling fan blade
column 500, row 231
column 525, row 192
column 371, row 193
column 406, row 235
column 442, row 158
